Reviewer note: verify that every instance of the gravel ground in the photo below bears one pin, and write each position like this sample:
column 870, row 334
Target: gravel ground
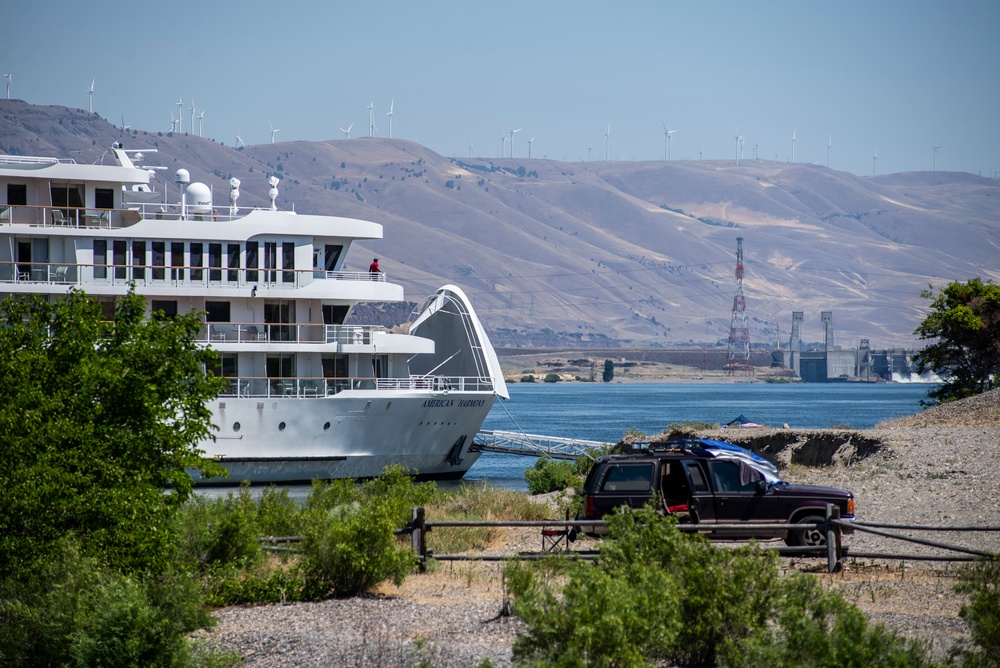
column 938, row 467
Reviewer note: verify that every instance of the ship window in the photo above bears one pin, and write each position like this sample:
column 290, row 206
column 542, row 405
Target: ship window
column 168, row 306
column 380, row 366
column 270, row 260
column 217, row 312
column 334, row 314
column 177, row 260
column 100, row 258
column 24, row 257
column 139, row 260
column 104, row 198
column 288, row 262
column 118, row 251
column 215, row 262
column 67, row 195
column 197, row 261
column 332, row 255
column 252, row 249
column 159, row 260
column 233, row 262
column 278, row 315
column 17, row 194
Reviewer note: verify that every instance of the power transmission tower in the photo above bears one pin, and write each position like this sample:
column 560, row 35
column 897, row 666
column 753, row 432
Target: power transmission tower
column 738, row 355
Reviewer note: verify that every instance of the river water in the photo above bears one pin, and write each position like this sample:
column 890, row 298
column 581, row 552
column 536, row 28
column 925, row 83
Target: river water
column 605, row 411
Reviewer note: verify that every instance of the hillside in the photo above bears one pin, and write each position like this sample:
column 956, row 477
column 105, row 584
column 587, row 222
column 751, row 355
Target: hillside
column 604, row 253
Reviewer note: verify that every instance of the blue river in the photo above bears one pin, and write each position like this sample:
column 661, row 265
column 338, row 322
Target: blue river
column 605, row 411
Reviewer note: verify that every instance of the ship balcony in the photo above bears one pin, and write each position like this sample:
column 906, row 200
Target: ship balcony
column 309, row 388
column 168, row 277
column 67, row 216
column 306, row 333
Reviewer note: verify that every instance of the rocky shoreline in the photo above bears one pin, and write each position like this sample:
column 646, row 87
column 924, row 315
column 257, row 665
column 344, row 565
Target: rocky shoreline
column 938, row 467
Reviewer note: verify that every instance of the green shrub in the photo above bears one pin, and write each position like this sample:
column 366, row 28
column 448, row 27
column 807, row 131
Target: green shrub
column 550, row 475
column 349, row 544
column 658, row 597
column 982, row 581
column 478, row 502
column 551, row 378
column 528, row 379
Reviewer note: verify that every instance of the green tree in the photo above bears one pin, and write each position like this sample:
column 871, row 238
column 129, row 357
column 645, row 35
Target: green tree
column 609, row 371
column 964, row 322
column 97, row 419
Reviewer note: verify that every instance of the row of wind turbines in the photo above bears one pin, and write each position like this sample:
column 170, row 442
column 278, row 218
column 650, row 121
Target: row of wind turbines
column 177, row 125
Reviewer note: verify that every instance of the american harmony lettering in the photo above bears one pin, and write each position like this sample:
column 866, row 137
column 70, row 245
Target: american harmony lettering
column 448, row 403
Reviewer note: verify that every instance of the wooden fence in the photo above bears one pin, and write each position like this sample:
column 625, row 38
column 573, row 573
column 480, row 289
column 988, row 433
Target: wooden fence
column 557, row 531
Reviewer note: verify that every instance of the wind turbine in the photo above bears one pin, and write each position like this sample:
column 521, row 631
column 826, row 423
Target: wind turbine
column 512, row 141
column 470, row 148
column 739, row 145
column 201, row 122
column 273, row 130
column 755, row 150
column 607, row 144
column 239, row 139
column 936, row 147
column 829, row 145
column 668, row 138
column 529, row 147
column 588, row 153
column 793, row 147
column 180, row 115
column 10, row 78
column 503, row 146
column 347, row 132
column 91, row 92
column 192, row 114
column 173, row 122
column 371, row 119
column 391, row 105
column 125, row 128
column 875, row 163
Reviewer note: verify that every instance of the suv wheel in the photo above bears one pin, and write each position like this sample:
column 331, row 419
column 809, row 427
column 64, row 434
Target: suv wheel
column 808, row 537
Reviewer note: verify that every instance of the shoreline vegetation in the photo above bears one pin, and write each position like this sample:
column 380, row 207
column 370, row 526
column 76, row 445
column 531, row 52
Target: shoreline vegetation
column 935, row 467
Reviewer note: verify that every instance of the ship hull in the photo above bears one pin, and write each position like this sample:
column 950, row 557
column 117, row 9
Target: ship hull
column 354, row 434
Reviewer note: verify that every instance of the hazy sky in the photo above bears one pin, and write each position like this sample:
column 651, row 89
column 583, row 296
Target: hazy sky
column 892, row 77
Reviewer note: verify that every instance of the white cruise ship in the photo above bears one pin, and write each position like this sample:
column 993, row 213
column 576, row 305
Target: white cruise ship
column 309, row 396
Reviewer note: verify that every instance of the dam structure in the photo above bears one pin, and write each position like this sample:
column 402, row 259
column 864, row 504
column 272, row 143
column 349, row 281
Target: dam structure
column 835, row 364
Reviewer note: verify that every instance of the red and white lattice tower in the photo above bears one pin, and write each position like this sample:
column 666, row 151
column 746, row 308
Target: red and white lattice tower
column 738, row 355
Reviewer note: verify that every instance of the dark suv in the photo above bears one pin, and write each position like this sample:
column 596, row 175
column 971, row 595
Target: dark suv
column 710, row 482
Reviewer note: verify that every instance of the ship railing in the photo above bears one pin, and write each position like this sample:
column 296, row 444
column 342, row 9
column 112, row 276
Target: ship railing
column 438, row 383
column 313, row 387
column 34, row 160
column 175, row 275
column 65, row 216
column 257, row 332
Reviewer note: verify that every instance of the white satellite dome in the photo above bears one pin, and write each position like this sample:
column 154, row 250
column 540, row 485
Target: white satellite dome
column 198, row 197
column 182, row 176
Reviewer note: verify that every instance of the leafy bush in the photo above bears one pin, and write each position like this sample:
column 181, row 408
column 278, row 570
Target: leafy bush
column 76, row 612
column 550, row 475
column 349, row 544
column 659, row 597
column 528, row 378
column 551, row 378
column 982, row 581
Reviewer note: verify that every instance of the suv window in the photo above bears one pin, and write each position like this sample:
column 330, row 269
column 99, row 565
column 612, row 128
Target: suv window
column 628, row 478
column 726, row 477
column 698, row 484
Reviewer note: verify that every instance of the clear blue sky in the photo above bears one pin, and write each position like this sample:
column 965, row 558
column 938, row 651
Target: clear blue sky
column 893, row 77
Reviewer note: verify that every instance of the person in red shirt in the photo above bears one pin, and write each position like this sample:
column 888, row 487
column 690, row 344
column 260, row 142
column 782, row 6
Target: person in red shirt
column 373, row 268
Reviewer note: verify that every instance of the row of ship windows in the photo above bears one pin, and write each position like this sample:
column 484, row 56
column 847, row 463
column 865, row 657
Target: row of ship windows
column 188, row 260
column 326, row 426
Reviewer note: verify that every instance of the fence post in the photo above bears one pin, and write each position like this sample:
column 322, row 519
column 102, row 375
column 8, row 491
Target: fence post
column 832, row 539
column 419, row 538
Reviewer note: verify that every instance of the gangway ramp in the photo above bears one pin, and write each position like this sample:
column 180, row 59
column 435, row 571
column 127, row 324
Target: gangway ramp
column 535, row 445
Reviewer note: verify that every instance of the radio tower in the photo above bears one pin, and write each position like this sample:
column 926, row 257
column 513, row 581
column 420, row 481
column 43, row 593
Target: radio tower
column 738, row 356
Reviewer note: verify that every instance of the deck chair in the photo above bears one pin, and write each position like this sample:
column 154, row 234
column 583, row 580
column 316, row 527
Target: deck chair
column 58, row 218
column 60, row 276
